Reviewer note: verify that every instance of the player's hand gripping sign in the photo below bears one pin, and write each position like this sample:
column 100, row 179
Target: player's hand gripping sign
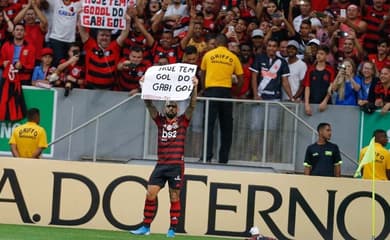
column 168, row 82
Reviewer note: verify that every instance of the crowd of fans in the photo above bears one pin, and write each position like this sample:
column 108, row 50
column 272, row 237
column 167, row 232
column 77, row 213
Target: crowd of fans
column 338, row 51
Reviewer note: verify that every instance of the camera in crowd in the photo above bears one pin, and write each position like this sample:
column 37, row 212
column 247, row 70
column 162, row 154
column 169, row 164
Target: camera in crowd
column 341, row 67
column 130, row 65
column 276, row 15
column 70, row 82
column 342, row 34
column 53, row 78
column 76, row 52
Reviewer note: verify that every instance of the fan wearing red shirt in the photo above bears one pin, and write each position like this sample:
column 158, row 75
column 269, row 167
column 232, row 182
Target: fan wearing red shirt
column 35, row 31
column 317, row 81
column 382, row 57
column 165, row 47
column 209, row 15
column 17, row 58
column 376, row 16
column 71, row 70
column 131, row 69
column 137, row 37
column 246, row 59
column 102, row 56
column 382, row 90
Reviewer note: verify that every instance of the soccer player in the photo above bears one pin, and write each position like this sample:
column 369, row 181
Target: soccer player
column 170, row 164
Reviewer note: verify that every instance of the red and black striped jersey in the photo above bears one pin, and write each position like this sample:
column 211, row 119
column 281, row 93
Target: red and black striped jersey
column 374, row 18
column 101, row 63
column 382, row 93
column 174, row 54
column 129, row 79
column 134, row 40
column 171, row 139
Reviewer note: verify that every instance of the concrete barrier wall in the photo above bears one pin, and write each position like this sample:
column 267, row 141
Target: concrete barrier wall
column 214, row 202
column 126, row 133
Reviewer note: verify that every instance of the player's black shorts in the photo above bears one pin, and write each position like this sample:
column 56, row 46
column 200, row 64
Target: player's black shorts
column 172, row 173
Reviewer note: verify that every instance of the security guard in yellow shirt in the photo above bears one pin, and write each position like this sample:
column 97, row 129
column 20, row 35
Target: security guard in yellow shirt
column 29, row 140
column 217, row 68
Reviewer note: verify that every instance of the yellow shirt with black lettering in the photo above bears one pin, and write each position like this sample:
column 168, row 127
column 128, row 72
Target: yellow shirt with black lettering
column 382, row 163
column 28, row 138
column 220, row 64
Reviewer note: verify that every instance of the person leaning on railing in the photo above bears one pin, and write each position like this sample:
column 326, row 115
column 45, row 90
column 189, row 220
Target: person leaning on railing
column 382, row 90
column 368, row 81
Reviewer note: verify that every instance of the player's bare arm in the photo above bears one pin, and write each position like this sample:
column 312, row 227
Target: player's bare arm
column 191, row 106
column 14, row 150
column 149, row 103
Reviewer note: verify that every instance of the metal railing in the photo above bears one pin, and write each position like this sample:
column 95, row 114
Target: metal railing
column 92, row 120
column 284, row 106
column 149, row 151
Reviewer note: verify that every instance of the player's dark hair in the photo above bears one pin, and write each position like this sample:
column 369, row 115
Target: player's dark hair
column 32, row 113
column 322, row 125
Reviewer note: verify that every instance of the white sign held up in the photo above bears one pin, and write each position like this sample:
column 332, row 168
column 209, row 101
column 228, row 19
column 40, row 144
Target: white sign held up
column 107, row 14
column 169, row 82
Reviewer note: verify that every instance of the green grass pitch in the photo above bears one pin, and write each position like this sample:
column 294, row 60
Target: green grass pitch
column 24, row 232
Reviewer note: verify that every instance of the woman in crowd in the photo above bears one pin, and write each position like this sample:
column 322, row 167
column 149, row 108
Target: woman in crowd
column 346, row 85
column 265, row 9
column 368, row 80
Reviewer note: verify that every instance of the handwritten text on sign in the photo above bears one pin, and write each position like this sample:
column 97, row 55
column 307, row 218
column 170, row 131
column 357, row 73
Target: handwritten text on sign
column 169, row 82
column 109, row 14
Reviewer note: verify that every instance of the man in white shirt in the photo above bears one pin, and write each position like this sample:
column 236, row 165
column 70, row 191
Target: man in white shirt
column 297, row 71
column 63, row 27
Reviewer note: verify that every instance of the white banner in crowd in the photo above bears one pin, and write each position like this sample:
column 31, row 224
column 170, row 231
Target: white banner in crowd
column 108, row 14
column 169, row 82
